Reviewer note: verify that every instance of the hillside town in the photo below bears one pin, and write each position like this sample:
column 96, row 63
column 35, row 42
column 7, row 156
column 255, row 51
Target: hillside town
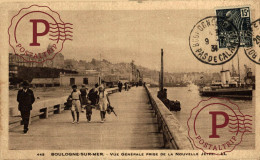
column 65, row 72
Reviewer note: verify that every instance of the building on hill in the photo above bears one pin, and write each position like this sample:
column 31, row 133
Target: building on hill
column 71, row 64
column 81, row 66
column 15, row 60
column 56, row 62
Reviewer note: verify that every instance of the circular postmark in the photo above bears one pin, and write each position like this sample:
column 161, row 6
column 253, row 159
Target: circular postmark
column 37, row 33
column 217, row 125
column 214, row 40
column 253, row 53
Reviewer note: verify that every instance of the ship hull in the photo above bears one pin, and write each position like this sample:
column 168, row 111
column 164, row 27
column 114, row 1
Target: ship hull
column 245, row 94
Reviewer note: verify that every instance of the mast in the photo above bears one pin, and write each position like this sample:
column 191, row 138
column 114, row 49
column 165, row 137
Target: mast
column 161, row 79
column 100, row 69
column 132, row 65
column 233, row 69
column 238, row 70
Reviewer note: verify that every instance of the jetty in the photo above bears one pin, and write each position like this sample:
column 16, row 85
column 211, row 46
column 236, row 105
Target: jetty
column 143, row 122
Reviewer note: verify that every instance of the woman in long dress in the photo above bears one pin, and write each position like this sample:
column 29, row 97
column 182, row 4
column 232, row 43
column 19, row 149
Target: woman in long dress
column 103, row 103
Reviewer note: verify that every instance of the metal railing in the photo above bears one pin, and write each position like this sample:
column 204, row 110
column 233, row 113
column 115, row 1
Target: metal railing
column 42, row 113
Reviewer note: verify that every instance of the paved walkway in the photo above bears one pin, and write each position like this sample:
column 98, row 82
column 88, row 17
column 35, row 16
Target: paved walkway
column 134, row 128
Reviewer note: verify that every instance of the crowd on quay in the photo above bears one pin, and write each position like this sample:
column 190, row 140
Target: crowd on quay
column 78, row 100
column 82, row 99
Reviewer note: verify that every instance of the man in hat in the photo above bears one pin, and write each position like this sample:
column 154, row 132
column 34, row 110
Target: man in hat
column 25, row 98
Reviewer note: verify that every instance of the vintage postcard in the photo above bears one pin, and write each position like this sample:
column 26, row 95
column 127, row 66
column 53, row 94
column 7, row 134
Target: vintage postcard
column 130, row 79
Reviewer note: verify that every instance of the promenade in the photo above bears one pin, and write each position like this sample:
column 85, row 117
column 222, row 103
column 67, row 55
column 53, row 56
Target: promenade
column 135, row 127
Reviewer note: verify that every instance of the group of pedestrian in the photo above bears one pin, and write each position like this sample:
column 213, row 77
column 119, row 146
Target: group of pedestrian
column 81, row 99
column 120, row 86
column 97, row 98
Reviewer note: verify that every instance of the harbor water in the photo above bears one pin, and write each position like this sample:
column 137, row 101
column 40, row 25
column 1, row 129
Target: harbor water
column 189, row 98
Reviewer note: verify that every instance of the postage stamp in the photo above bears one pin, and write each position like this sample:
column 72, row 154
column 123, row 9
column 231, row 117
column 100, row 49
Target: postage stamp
column 253, row 52
column 37, row 33
column 203, row 41
column 240, row 19
column 216, row 127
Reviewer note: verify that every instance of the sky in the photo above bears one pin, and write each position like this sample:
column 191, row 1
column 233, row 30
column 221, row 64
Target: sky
column 139, row 35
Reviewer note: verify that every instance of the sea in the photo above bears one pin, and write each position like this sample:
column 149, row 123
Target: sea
column 189, row 98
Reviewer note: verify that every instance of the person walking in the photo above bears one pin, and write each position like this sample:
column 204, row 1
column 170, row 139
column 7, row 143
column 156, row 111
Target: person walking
column 76, row 103
column 120, row 85
column 25, row 98
column 83, row 92
column 103, row 103
column 126, row 86
column 93, row 97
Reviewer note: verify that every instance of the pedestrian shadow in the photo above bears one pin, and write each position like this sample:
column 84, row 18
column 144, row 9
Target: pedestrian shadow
column 94, row 122
column 15, row 131
column 81, row 122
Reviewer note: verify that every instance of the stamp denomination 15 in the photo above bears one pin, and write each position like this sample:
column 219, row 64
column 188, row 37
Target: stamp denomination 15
column 240, row 18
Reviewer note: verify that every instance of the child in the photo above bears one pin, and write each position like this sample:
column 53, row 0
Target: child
column 89, row 111
column 76, row 103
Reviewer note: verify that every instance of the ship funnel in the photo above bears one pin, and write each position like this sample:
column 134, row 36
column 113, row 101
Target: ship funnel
column 227, row 75
column 223, row 77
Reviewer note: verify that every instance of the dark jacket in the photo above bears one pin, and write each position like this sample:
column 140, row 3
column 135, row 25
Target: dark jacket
column 83, row 96
column 93, row 96
column 25, row 100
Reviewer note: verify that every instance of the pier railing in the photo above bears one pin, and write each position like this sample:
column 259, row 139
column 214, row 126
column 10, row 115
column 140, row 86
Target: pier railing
column 174, row 135
column 43, row 109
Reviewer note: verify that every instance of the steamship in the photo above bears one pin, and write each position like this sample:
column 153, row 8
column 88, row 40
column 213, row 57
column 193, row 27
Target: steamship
column 228, row 87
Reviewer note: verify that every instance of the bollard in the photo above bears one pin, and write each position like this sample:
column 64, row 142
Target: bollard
column 45, row 113
column 58, row 109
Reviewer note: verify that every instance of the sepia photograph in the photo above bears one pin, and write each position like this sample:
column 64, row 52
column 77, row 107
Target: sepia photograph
column 134, row 82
